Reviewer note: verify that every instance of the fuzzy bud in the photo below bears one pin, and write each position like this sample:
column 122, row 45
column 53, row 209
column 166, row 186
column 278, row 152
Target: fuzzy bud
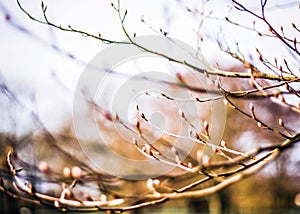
column 223, row 143
column 205, row 125
column 259, row 125
column 226, row 103
column 43, row 166
column 179, row 77
column 56, row 204
column 251, row 107
column 76, row 172
column 67, row 172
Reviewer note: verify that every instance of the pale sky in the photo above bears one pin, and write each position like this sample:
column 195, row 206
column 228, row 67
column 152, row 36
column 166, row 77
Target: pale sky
column 45, row 79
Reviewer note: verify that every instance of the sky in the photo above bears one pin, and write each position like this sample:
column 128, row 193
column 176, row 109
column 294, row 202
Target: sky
column 45, row 78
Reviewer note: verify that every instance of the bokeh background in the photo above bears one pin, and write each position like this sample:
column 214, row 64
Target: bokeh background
column 41, row 65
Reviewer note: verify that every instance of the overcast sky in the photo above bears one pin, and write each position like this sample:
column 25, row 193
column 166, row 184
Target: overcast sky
column 44, row 79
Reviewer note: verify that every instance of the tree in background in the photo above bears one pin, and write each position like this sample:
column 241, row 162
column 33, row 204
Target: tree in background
column 259, row 92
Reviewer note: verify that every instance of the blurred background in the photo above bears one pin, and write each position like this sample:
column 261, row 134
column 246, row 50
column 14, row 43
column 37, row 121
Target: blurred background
column 40, row 67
